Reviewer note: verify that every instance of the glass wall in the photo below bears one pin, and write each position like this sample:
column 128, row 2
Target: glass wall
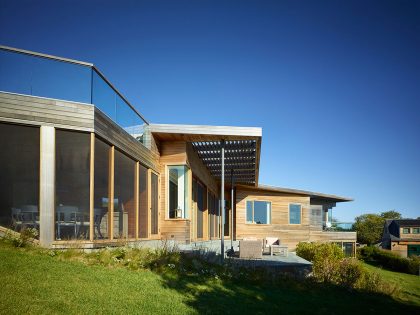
column 124, row 203
column 143, row 203
column 101, row 218
column 19, row 176
column 178, row 189
column 72, row 164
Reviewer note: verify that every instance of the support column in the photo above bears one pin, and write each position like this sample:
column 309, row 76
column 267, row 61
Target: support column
column 47, row 186
column 111, row 193
column 91, row 188
column 222, row 202
column 231, row 210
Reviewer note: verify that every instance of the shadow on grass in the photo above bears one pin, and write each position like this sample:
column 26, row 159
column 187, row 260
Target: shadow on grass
column 283, row 295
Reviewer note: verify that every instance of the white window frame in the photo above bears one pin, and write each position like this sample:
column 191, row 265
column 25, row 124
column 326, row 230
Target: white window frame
column 288, row 213
column 186, row 214
column 253, row 222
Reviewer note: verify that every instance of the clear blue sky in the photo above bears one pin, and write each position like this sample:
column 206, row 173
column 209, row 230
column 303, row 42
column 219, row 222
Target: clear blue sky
column 335, row 85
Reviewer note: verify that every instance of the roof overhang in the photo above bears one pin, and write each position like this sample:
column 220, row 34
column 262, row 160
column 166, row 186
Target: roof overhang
column 242, row 148
column 315, row 196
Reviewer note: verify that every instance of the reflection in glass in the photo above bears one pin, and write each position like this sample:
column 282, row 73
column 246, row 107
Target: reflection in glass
column 294, row 214
column 19, row 176
column 258, row 212
column 124, row 208
column 101, row 218
column 178, row 191
column 72, row 184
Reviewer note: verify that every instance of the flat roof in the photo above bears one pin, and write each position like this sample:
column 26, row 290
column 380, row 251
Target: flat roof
column 242, row 148
column 314, row 195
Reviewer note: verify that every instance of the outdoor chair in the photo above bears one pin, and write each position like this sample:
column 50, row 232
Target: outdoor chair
column 269, row 241
column 26, row 216
column 66, row 217
column 250, row 248
column 98, row 214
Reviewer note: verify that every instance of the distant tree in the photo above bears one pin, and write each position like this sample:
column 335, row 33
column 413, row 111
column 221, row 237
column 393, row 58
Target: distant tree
column 369, row 227
column 391, row 214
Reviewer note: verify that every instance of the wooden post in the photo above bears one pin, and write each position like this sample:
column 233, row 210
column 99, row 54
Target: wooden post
column 136, row 196
column 111, row 193
column 92, row 188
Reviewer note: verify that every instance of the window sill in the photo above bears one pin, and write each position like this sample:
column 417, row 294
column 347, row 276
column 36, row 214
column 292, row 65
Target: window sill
column 263, row 224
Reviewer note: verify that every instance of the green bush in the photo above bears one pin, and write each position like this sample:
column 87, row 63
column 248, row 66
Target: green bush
column 389, row 260
column 329, row 266
column 309, row 250
column 22, row 239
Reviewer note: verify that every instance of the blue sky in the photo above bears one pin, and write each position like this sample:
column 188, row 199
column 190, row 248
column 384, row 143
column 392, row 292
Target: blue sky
column 335, row 85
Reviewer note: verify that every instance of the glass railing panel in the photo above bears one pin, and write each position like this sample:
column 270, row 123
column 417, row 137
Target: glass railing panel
column 15, row 72
column 125, row 116
column 103, row 96
column 26, row 74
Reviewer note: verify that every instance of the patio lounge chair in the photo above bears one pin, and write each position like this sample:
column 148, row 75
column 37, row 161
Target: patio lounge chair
column 269, row 241
column 250, row 248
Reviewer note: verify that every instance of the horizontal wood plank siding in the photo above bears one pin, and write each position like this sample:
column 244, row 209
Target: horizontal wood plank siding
column 117, row 136
column 324, row 236
column 289, row 234
column 172, row 153
column 39, row 111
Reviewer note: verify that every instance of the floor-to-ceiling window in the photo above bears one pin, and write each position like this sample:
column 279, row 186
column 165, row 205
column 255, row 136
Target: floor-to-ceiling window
column 124, row 202
column 19, row 176
column 72, row 163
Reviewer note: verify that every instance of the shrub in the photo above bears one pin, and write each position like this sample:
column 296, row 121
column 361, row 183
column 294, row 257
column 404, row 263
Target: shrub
column 389, row 260
column 330, row 267
column 349, row 273
column 22, row 239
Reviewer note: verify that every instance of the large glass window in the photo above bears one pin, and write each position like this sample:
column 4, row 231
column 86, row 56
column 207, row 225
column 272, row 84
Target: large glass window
column 101, row 195
column 19, row 176
column 178, row 192
column 72, row 184
column 258, row 212
column 295, row 214
column 124, row 205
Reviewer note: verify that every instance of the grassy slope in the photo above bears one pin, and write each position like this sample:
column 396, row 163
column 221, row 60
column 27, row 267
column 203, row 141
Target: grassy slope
column 410, row 284
column 36, row 283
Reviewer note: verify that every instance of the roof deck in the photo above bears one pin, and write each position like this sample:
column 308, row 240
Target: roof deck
column 36, row 74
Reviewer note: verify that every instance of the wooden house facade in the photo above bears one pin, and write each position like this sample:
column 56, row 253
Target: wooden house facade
column 79, row 163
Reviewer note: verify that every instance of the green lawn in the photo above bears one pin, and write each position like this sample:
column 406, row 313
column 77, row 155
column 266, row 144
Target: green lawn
column 33, row 282
column 410, row 284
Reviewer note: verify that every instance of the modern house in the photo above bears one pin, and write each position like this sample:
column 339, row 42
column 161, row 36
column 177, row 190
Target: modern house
column 402, row 237
column 78, row 161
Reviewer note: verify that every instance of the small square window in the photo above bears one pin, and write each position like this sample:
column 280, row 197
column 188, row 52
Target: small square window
column 406, row 230
column 416, row 230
